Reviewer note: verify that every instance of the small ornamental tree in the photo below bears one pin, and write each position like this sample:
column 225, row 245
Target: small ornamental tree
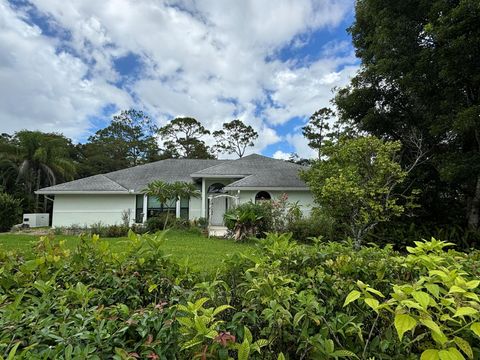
column 235, row 137
column 355, row 183
column 165, row 192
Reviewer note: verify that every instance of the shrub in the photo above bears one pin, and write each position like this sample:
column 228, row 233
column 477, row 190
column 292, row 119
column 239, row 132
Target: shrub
column 201, row 223
column 10, row 211
column 181, row 224
column 139, row 228
column 325, row 300
column 116, row 231
column 249, row 219
column 283, row 213
column 304, row 229
column 157, row 223
column 96, row 228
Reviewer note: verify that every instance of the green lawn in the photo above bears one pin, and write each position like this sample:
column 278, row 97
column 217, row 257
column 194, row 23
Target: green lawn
column 197, row 251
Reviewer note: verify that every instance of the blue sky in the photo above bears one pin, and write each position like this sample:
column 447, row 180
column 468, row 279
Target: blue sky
column 69, row 66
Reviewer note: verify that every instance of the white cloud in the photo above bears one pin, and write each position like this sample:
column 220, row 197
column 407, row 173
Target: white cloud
column 281, row 155
column 41, row 88
column 204, row 59
column 301, row 146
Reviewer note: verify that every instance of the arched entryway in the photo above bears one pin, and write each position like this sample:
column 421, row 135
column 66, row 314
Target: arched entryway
column 215, row 188
column 262, row 196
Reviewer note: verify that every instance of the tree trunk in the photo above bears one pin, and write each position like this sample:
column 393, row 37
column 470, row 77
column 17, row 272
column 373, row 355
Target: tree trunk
column 37, row 187
column 473, row 215
column 166, row 220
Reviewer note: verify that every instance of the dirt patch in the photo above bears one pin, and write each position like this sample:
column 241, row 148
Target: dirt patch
column 33, row 231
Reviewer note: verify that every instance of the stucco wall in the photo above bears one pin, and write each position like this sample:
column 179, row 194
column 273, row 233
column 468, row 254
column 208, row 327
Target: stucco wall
column 304, row 198
column 195, row 208
column 86, row 209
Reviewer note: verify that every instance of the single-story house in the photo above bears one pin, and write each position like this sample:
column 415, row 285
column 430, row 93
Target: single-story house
column 106, row 198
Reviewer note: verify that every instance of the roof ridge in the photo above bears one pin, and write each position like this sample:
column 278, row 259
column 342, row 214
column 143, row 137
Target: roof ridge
column 236, row 181
column 211, row 167
column 159, row 161
column 115, row 182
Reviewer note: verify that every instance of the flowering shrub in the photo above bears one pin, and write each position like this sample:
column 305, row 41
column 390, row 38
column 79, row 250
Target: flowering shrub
column 284, row 213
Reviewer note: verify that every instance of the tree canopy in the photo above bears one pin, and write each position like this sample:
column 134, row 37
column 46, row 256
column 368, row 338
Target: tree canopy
column 420, row 75
column 235, row 137
column 316, row 129
column 356, row 183
column 182, row 137
column 31, row 160
column 129, row 140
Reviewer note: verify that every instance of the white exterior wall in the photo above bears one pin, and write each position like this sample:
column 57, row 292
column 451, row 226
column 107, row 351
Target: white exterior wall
column 195, row 208
column 88, row 209
column 304, row 198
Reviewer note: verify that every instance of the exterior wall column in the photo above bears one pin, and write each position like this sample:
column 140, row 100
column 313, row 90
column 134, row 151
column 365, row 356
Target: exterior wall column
column 204, row 198
column 177, row 208
column 145, row 208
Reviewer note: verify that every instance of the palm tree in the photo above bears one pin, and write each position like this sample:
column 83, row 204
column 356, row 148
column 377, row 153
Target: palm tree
column 8, row 165
column 43, row 160
column 165, row 192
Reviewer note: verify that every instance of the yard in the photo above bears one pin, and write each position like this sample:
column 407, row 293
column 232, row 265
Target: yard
column 192, row 249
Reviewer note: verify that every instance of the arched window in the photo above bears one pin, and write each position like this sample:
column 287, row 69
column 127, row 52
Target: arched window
column 262, row 196
column 216, row 188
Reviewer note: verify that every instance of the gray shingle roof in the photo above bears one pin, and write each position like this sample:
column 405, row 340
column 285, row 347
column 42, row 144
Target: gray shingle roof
column 248, row 165
column 135, row 178
column 171, row 170
column 256, row 170
column 259, row 171
column 91, row 183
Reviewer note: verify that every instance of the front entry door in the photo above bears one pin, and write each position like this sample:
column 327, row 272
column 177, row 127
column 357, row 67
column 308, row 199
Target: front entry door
column 219, row 206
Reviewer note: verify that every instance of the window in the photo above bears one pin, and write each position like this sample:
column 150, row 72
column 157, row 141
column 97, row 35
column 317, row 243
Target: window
column 215, row 188
column 184, row 208
column 262, row 196
column 139, row 209
column 154, row 207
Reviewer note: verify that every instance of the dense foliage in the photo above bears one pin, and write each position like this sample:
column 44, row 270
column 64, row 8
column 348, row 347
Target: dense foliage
column 10, row 211
column 30, row 160
column 419, row 84
column 182, row 137
column 275, row 215
column 301, row 301
column 248, row 220
column 129, row 140
column 355, row 183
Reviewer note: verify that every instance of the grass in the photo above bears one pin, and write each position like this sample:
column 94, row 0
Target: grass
column 196, row 251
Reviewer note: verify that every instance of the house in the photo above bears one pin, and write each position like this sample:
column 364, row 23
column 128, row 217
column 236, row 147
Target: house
column 108, row 198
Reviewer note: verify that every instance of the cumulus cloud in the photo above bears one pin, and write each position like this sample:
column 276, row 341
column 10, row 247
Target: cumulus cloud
column 281, row 155
column 43, row 88
column 211, row 60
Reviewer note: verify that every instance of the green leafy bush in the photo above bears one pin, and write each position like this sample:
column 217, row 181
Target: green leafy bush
column 306, row 228
column 249, row 219
column 10, row 211
column 323, row 300
column 157, row 223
